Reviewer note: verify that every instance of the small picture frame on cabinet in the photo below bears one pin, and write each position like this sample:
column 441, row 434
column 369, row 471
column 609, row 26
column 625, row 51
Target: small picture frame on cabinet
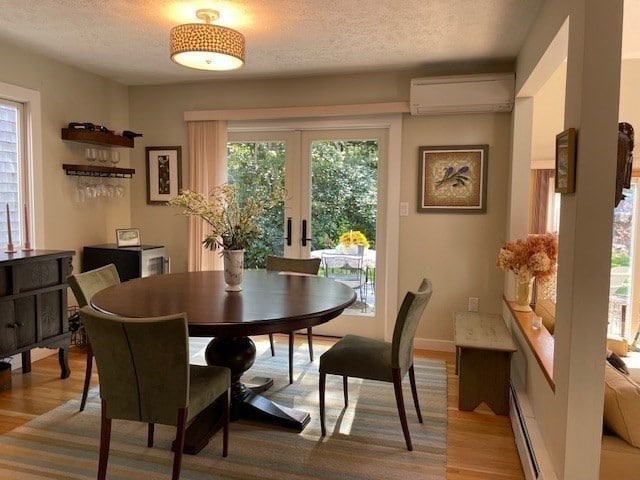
column 128, row 237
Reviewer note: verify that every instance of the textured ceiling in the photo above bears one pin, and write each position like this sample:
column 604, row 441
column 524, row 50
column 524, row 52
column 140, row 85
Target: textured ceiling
column 127, row 40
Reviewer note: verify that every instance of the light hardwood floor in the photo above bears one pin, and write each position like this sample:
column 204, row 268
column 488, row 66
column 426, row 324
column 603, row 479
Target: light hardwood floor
column 480, row 445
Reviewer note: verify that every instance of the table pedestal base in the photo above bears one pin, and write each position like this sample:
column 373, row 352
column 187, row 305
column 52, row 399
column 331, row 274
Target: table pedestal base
column 238, row 354
column 257, row 407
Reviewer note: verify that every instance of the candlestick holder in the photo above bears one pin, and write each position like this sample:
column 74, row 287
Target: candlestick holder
column 26, row 247
column 10, row 248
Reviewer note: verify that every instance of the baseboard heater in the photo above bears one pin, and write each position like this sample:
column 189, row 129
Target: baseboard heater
column 523, row 441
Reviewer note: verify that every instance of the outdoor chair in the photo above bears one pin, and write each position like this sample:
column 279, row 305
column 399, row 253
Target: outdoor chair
column 372, row 359
column 349, row 270
column 84, row 286
column 145, row 376
column 308, row 266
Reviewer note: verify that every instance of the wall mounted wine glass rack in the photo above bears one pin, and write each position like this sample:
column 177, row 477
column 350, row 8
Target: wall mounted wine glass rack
column 105, row 139
column 97, row 171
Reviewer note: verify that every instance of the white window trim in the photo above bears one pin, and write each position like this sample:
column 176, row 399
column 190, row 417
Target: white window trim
column 32, row 145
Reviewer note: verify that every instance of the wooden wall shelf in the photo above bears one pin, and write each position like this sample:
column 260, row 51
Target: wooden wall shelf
column 540, row 341
column 105, row 139
column 98, row 171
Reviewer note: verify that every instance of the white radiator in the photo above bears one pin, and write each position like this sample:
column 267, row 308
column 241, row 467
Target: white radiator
column 523, row 441
column 534, row 457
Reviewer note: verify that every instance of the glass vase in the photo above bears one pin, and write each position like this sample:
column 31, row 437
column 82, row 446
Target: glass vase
column 523, row 293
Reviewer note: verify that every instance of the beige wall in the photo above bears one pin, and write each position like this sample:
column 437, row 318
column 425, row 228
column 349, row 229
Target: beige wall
column 70, row 95
column 159, row 113
column 570, row 417
column 456, row 251
column 548, row 119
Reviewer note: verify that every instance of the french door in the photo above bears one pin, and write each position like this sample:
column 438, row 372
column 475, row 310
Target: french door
column 332, row 182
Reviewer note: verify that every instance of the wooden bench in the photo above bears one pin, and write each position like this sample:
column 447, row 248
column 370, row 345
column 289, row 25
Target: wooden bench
column 483, row 360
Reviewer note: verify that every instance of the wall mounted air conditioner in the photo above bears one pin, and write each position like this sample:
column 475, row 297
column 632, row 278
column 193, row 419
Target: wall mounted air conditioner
column 462, row 94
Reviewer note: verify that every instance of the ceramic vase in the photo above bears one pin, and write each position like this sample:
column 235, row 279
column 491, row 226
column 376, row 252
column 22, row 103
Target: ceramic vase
column 523, row 293
column 233, row 267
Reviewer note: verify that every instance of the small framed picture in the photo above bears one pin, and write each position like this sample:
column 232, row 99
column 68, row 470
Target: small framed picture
column 453, row 179
column 565, row 175
column 128, row 237
column 164, row 174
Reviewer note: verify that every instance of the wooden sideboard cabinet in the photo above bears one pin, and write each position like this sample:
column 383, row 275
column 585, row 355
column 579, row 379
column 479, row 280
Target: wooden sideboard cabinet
column 33, row 304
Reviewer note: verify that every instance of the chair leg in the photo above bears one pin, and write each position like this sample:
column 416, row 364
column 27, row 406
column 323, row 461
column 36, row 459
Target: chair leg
column 310, row 341
column 322, row 382
column 226, row 406
column 87, row 377
column 105, row 440
column 273, row 350
column 345, row 389
column 150, row 430
column 179, row 443
column 414, row 391
column 291, row 357
column 397, row 387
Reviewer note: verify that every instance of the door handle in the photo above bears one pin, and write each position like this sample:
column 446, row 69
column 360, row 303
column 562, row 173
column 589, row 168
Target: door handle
column 288, row 237
column 304, row 233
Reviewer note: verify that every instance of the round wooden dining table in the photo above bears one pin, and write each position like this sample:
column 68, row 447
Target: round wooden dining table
column 269, row 302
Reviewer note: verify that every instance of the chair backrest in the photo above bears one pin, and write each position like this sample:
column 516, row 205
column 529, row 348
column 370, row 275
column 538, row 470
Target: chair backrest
column 143, row 365
column 298, row 265
column 407, row 322
column 86, row 285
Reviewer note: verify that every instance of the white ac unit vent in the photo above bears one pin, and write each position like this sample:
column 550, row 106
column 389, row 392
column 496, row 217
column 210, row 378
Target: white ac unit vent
column 462, row 94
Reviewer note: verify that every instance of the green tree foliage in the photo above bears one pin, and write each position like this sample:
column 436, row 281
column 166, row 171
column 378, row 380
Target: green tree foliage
column 258, row 168
column 344, row 190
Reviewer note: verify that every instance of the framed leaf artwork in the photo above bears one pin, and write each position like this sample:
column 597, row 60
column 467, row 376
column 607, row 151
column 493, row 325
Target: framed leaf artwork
column 453, row 179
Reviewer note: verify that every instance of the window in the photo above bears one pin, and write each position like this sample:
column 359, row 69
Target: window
column 622, row 260
column 13, row 184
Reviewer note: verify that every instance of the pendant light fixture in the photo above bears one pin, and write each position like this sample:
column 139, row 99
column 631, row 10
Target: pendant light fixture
column 206, row 46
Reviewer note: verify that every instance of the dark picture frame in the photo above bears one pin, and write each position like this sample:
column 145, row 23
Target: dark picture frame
column 565, row 169
column 164, row 174
column 127, row 237
column 453, row 179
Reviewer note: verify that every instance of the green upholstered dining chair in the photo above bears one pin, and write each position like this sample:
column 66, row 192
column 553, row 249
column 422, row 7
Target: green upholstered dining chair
column 308, row 266
column 372, row 359
column 84, row 286
column 145, row 376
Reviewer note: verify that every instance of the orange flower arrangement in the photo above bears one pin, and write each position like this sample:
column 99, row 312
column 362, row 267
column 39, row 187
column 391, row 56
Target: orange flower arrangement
column 534, row 257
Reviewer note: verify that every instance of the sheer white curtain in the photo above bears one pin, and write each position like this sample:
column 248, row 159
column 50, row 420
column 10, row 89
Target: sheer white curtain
column 541, row 181
column 207, row 168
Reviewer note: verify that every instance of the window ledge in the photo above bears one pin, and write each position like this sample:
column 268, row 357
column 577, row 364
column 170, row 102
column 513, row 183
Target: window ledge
column 540, row 341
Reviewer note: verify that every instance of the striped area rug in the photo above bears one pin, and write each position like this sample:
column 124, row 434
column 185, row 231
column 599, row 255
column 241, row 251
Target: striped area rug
column 364, row 441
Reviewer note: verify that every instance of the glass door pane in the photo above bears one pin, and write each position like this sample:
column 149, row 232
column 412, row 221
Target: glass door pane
column 257, row 168
column 343, row 178
column 344, row 194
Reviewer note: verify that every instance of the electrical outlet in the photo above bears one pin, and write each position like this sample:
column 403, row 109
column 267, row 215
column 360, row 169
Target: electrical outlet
column 474, row 304
column 404, row 209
